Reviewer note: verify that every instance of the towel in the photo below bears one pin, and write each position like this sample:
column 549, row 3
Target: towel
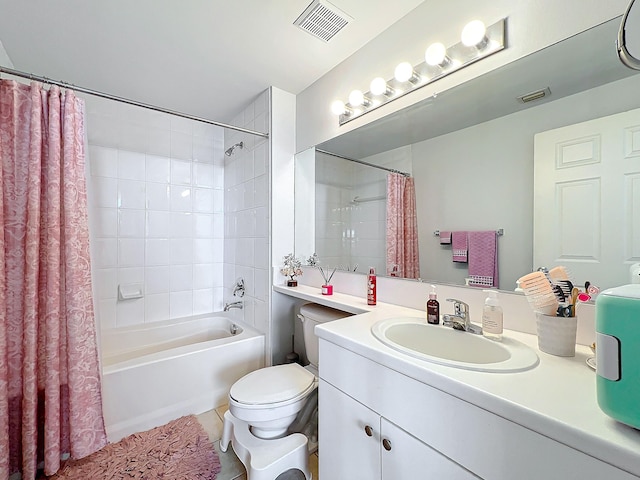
column 445, row 238
column 483, row 258
column 459, row 246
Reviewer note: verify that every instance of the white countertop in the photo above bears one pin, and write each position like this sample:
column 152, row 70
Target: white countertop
column 556, row 399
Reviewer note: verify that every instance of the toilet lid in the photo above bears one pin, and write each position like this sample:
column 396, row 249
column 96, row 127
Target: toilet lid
column 272, row 384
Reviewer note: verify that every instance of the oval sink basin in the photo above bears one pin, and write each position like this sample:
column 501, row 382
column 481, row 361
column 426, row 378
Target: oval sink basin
column 446, row 346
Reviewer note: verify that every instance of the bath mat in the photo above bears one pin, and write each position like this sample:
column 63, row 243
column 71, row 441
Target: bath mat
column 179, row 450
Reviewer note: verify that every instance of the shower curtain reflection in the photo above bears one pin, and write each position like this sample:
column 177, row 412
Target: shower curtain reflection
column 402, row 227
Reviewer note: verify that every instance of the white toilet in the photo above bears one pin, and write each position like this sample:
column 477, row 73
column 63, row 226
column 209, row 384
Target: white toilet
column 264, row 403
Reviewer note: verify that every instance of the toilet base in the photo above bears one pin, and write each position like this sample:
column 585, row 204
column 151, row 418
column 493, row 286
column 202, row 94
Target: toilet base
column 265, row 459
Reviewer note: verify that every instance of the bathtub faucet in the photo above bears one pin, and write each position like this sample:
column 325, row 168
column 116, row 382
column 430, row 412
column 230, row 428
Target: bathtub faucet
column 229, row 306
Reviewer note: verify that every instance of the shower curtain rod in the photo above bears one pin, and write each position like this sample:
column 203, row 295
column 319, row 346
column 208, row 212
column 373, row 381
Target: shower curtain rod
column 392, row 170
column 108, row 96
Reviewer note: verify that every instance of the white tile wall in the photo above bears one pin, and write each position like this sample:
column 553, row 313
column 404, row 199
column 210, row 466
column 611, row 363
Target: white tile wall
column 157, row 202
column 246, row 215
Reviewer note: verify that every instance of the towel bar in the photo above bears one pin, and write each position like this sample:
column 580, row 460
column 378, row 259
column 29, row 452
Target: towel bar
column 500, row 232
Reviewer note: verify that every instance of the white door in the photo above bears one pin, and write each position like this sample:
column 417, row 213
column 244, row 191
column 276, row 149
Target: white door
column 349, row 437
column 587, row 198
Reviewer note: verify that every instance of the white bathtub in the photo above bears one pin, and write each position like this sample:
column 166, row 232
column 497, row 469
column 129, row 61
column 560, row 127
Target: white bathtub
column 156, row 372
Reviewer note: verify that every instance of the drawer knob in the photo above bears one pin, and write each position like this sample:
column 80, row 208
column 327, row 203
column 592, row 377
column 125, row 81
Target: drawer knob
column 368, row 430
column 386, row 443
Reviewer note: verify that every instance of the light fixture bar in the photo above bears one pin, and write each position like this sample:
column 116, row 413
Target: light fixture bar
column 458, row 56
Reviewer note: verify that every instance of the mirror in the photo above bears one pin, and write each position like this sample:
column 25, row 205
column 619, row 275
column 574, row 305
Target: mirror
column 470, row 150
column 629, row 36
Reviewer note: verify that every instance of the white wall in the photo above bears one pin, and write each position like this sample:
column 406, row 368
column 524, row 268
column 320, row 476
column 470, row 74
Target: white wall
column 156, row 207
column 532, row 25
column 246, row 192
column 283, row 121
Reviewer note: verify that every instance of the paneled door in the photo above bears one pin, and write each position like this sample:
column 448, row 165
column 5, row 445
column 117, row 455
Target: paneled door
column 587, row 198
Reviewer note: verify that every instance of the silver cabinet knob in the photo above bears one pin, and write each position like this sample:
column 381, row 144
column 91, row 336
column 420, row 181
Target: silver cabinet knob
column 368, row 430
column 386, row 443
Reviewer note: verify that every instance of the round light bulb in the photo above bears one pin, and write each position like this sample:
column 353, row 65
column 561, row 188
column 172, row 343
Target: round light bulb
column 435, row 54
column 403, row 72
column 356, row 98
column 378, row 86
column 473, row 33
column 338, row 107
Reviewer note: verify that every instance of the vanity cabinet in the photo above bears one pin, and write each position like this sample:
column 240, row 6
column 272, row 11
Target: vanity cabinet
column 432, row 433
column 356, row 442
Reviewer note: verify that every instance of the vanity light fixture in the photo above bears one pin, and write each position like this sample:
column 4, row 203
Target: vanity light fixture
column 477, row 41
column 436, row 55
column 379, row 86
column 404, row 72
column 357, row 98
column 474, row 34
column 339, row 108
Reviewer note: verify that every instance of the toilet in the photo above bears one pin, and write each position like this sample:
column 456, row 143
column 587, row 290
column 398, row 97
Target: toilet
column 264, row 403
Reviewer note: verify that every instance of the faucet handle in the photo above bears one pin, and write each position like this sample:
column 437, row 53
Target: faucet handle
column 460, row 308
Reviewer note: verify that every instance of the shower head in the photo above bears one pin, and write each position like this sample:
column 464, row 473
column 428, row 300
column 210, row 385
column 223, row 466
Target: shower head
column 229, row 151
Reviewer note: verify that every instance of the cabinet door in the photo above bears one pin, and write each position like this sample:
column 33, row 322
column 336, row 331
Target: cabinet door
column 405, row 457
column 349, row 437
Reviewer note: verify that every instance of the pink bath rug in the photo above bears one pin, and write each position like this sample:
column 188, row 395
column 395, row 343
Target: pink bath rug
column 179, row 450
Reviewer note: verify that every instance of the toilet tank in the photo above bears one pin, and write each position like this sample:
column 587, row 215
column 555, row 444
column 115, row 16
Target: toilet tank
column 312, row 314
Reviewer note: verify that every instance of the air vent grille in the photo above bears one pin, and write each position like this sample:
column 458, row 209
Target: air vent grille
column 322, row 20
column 533, row 96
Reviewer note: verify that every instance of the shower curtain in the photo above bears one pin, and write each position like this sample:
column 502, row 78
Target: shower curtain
column 50, row 396
column 402, row 227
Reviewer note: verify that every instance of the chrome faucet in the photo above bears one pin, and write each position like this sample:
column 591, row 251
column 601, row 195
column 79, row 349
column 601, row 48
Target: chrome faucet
column 229, row 306
column 238, row 288
column 460, row 319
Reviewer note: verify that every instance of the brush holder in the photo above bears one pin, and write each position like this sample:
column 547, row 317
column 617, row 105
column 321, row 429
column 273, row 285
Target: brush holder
column 557, row 335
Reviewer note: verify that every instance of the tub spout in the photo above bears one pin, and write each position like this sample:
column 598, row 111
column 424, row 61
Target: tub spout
column 229, row 306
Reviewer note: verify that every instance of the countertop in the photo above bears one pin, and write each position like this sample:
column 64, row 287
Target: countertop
column 556, row 399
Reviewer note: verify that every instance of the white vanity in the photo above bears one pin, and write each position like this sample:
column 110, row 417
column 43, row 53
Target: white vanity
column 388, row 415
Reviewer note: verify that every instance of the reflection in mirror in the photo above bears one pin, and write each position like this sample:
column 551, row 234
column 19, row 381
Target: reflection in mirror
column 629, row 36
column 471, row 150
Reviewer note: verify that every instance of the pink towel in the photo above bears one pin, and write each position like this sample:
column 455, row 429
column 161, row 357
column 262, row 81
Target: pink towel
column 459, row 246
column 483, row 259
column 445, row 238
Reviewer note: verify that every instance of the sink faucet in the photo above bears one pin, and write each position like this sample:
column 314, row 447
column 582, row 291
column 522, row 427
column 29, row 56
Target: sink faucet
column 460, row 319
column 229, row 306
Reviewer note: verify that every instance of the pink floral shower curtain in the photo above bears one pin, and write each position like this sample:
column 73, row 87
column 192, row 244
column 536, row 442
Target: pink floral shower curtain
column 402, row 227
column 50, row 396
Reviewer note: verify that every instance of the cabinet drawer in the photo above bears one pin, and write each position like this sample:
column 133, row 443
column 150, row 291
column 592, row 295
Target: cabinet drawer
column 486, row 444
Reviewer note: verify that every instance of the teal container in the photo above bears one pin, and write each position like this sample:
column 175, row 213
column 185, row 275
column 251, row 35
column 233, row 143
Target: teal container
column 618, row 353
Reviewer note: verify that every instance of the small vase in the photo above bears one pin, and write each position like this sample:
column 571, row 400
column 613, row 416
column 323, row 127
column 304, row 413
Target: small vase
column 292, row 283
column 327, row 289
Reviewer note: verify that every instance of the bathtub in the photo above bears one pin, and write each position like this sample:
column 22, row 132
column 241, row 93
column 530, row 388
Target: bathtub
column 156, row 372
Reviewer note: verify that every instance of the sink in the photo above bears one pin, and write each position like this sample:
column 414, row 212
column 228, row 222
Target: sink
column 446, row 346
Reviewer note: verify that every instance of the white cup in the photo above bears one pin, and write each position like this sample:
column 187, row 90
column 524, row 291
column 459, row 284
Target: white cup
column 557, row 335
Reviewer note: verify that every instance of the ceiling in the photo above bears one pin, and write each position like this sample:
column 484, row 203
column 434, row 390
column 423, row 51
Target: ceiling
column 208, row 58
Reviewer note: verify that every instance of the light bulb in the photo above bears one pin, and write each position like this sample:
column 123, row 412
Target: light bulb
column 436, row 54
column 379, row 86
column 356, row 98
column 338, row 107
column 404, row 72
column 473, row 34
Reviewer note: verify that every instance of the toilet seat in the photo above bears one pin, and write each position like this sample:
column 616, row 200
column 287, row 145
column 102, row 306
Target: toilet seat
column 272, row 386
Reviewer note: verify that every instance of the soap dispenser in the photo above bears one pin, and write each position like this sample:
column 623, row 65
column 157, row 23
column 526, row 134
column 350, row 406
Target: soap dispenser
column 492, row 316
column 433, row 307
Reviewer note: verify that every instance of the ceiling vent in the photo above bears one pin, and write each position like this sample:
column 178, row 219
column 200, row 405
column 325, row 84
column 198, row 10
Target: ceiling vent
column 322, row 20
column 533, row 96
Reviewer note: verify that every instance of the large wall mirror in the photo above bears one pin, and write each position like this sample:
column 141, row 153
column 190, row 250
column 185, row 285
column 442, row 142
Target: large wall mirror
column 470, row 151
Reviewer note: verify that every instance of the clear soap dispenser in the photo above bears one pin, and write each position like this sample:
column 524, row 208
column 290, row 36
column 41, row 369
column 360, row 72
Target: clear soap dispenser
column 492, row 316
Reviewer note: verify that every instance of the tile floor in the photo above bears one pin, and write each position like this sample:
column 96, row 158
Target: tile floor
column 232, row 468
